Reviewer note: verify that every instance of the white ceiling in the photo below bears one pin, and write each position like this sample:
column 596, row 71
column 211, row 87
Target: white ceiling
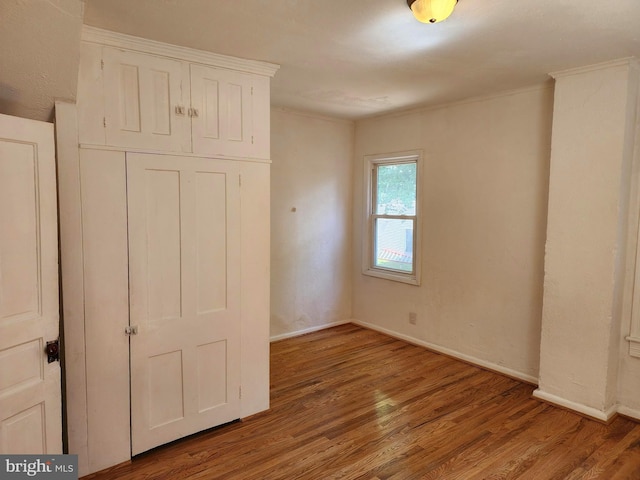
column 353, row 59
column 342, row 58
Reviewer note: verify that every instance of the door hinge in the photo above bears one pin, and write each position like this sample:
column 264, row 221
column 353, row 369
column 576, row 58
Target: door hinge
column 240, row 392
column 131, row 330
column 104, row 122
column 239, row 180
column 101, row 64
column 251, row 90
column 251, row 139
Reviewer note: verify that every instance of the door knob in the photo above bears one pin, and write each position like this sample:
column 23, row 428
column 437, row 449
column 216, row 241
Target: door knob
column 53, row 351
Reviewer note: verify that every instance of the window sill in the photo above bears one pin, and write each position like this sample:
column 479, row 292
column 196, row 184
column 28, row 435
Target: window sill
column 394, row 277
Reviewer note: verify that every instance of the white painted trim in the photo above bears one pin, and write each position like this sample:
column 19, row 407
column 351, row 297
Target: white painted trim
column 304, row 331
column 629, row 412
column 603, row 416
column 72, row 281
column 494, row 367
column 631, row 303
column 368, row 268
column 620, row 62
column 634, row 342
column 314, row 116
column 129, row 42
column 546, row 85
column 90, row 146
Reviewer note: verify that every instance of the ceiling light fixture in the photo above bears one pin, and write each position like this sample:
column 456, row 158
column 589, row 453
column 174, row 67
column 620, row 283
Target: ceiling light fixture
column 431, row 11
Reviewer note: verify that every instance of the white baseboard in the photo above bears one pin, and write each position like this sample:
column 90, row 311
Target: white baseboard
column 452, row 353
column 316, row 328
column 629, row 412
column 603, row 416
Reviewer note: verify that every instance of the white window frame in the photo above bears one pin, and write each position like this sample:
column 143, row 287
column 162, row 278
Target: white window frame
column 370, row 216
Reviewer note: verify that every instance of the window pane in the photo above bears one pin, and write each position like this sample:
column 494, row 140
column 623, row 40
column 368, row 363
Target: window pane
column 396, row 189
column 394, row 244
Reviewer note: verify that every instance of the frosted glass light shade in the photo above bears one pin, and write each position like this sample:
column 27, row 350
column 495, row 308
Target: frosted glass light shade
column 432, row 11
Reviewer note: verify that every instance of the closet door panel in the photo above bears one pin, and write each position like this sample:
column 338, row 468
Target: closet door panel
column 222, row 122
column 143, row 94
column 105, row 305
column 163, row 245
column 184, row 272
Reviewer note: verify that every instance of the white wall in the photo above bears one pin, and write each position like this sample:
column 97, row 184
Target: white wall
column 592, row 147
column 311, row 173
column 485, row 181
column 39, row 55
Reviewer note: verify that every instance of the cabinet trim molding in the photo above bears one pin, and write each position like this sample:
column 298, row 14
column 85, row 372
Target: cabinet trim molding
column 129, row 42
column 89, row 146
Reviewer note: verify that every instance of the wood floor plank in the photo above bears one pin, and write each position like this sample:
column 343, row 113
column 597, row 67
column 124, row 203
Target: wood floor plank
column 350, row 403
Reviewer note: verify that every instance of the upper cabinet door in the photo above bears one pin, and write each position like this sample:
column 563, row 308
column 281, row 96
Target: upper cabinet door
column 144, row 101
column 221, row 115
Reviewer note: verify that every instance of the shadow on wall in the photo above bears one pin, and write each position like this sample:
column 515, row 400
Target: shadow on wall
column 9, row 100
column 12, row 103
column 280, row 325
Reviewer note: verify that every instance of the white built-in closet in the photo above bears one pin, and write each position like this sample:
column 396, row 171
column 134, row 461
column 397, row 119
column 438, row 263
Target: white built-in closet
column 164, row 215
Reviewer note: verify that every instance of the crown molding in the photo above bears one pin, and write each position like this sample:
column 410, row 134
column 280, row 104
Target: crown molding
column 631, row 62
column 130, row 42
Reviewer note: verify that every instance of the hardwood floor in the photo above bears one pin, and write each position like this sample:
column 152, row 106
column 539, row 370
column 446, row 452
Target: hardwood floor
column 350, row 403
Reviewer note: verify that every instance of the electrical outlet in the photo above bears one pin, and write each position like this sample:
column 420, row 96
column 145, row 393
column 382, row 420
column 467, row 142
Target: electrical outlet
column 413, row 318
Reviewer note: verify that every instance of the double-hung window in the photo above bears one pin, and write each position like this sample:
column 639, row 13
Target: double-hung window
column 392, row 217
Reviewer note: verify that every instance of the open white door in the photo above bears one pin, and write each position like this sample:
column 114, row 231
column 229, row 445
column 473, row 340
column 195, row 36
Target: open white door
column 184, row 272
column 30, row 392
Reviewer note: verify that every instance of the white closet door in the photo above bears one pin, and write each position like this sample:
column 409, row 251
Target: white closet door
column 222, row 112
column 142, row 93
column 30, row 410
column 184, row 247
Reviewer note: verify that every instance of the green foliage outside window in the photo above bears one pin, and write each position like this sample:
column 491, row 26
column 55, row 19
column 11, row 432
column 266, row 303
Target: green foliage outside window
column 396, row 189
